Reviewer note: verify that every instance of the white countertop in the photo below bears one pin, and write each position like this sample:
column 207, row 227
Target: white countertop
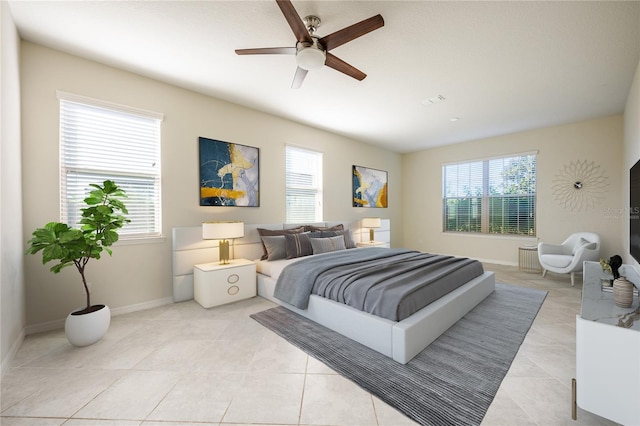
column 598, row 305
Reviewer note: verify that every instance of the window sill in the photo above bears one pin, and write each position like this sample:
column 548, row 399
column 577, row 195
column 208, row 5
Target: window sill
column 142, row 240
column 492, row 236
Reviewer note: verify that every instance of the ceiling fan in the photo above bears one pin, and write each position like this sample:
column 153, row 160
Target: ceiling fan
column 311, row 51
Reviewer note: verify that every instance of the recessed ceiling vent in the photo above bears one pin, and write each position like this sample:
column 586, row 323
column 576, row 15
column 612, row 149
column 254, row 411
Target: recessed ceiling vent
column 434, row 100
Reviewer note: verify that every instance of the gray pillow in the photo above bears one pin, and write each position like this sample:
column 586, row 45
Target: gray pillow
column 325, row 245
column 348, row 238
column 346, row 233
column 312, row 228
column 298, row 245
column 275, row 245
column 271, row 232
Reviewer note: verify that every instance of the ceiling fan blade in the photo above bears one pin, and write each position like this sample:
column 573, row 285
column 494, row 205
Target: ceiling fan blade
column 294, row 20
column 352, row 32
column 267, row 51
column 298, row 78
column 340, row 65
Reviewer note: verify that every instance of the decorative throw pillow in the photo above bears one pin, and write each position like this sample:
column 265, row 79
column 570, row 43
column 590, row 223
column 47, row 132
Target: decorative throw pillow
column 274, row 232
column 346, row 233
column 348, row 238
column 275, row 246
column 325, row 245
column 581, row 242
column 312, row 228
column 298, row 245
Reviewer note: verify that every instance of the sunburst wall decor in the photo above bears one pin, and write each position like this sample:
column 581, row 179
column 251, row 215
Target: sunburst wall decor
column 580, row 185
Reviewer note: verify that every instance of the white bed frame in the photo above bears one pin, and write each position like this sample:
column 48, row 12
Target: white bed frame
column 400, row 340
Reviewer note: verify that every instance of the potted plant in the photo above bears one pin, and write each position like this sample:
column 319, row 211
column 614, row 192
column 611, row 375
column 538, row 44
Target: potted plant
column 101, row 219
column 606, row 267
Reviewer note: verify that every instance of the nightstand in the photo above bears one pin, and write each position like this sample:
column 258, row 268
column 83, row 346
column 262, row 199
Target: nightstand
column 373, row 244
column 215, row 284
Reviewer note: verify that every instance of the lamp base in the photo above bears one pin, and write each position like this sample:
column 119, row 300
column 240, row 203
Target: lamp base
column 371, row 234
column 224, row 252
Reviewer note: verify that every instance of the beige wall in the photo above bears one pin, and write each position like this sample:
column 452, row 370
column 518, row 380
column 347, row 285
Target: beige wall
column 631, row 152
column 142, row 273
column 12, row 305
column 138, row 274
column 596, row 140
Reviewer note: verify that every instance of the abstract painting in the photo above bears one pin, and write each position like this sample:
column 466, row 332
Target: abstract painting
column 369, row 187
column 229, row 174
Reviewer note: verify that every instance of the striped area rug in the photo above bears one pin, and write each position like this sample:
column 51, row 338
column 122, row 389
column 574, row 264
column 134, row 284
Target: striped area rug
column 452, row 381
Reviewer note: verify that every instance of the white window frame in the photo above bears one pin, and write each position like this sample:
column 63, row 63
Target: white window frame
column 480, row 183
column 307, row 185
column 88, row 126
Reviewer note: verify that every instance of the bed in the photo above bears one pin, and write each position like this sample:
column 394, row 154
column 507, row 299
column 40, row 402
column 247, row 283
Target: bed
column 400, row 340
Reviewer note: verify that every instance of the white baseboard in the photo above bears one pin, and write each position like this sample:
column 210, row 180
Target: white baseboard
column 484, row 260
column 497, row 262
column 12, row 352
column 59, row 323
column 141, row 306
column 45, row 326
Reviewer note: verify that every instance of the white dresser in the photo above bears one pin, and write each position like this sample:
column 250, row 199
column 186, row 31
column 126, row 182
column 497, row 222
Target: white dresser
column 607, row 355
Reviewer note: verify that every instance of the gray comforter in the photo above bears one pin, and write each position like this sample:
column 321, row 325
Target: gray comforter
column 390, row 283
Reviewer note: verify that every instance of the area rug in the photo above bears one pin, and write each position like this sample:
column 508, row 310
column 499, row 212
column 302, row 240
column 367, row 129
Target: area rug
column 452, row 381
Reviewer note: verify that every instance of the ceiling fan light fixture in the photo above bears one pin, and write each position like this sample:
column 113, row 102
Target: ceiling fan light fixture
column 310, row 58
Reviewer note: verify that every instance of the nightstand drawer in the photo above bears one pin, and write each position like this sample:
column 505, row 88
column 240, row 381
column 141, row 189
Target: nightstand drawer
column 216, row 284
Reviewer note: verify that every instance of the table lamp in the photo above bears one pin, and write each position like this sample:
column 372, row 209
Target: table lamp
column 371, row 222
column 223, row 231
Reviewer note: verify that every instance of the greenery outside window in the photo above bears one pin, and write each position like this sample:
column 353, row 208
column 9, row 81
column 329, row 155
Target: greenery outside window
column 303, row 170
column 100, row 141
column 491, row 196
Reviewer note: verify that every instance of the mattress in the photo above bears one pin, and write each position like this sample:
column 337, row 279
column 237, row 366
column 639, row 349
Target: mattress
column 273, row 268
column 389, row 283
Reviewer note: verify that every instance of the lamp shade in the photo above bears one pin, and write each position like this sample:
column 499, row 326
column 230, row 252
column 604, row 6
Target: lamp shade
column 371, row 222
column 310, row 58
column 222, row 230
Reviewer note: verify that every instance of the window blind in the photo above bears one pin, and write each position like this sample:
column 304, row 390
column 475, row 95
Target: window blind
column 100, row 141
column 303, row 169
column 496, row 196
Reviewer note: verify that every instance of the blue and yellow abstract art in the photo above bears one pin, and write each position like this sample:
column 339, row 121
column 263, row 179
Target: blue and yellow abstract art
column 369, row 187
column 229, row 174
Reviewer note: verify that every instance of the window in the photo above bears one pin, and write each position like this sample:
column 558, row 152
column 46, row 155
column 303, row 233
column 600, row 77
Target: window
column 100, row 141
column 304, row 185
column 492, row 196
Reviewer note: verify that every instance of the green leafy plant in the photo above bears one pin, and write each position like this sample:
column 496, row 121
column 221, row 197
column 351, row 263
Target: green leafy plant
column 604, row 264
column 612, row 265
column 101, row 220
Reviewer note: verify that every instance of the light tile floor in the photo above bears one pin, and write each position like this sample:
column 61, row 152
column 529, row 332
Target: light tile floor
column 184, row 365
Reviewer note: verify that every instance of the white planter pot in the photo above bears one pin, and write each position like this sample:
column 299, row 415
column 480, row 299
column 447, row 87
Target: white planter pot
column 87, row 329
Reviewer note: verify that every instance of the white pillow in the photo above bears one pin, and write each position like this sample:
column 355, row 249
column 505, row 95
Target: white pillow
column 581, row 242
column 325, row 245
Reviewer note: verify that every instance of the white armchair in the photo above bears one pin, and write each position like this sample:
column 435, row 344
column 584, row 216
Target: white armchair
column 567, row 258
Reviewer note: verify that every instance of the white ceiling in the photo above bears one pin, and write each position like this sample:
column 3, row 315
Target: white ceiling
column 502, row 67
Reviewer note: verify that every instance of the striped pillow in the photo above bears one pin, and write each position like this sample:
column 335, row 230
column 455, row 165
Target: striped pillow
column 273, row 232
column 298, row 245
column 325, row 245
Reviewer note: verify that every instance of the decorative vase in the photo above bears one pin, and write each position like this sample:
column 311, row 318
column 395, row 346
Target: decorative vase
column 623, row 292
column 84, row 329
